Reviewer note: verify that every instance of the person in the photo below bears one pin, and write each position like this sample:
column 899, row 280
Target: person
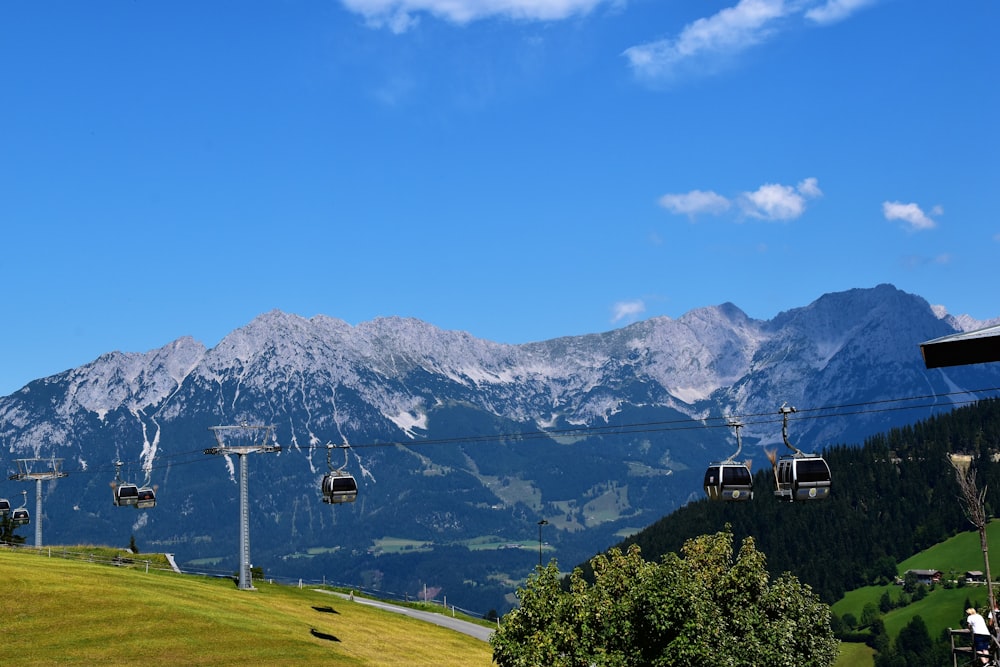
column 980, row 634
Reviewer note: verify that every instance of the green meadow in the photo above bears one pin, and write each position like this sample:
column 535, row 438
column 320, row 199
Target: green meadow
column 78, row 612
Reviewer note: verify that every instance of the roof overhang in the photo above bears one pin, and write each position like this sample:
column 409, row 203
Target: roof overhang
column 972, row 347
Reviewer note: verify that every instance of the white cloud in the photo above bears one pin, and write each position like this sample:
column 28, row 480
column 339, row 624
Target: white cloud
column 773, row 201
column 810, row 188
column 695, row 202
column 911, row 214
column 711, row 42
column 627, row 310
column 730, row 31
column 770, row 201
column 400, row 15
column 836, row 10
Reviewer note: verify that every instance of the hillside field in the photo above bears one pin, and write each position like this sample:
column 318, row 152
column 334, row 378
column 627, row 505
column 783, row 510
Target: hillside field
column 81, row 613
column 943, row 608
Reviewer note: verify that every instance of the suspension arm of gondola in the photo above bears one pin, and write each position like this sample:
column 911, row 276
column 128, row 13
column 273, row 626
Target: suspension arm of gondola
column 785, row 411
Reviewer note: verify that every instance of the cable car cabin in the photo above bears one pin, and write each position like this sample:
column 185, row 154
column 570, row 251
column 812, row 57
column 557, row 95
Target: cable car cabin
column 20, row 517
column 4, row 507
column 146, row 498
column 802, row 478
column 339, row 488
column 126, row 494
column 728, row 481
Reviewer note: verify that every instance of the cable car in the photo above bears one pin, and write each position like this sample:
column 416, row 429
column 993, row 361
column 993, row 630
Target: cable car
column 799, row 476
column 338, row 486
column 802, row 477
column 146, row 498
column 21, row 516
column 4, row 507
column 125, row 494
column 729, row 479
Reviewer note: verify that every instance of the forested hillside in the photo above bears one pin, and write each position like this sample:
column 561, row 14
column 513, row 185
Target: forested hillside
column 892, row 497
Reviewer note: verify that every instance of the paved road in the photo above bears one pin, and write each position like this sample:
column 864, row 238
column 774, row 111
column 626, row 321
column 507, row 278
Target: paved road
column 473, row 629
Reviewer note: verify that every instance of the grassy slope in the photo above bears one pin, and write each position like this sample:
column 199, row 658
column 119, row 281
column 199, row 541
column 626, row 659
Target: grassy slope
column 942, row 608
column 73, row 612
column 855, row 655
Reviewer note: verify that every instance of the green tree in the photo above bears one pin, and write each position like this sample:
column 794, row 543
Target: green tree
column 7, row 529
column 704, row 606
column 914, row 648
column 869, row 613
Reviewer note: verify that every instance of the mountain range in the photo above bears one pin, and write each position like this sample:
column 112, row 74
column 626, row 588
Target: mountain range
column 460, row 446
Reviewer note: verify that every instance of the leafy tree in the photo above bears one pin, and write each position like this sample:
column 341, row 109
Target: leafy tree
column 7, row 529
column 914, row 637
column 914, row 648
column 700, row 607
column 869, row 614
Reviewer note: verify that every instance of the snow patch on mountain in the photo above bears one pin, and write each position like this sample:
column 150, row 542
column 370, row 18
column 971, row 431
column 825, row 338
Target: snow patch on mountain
column 407, row 421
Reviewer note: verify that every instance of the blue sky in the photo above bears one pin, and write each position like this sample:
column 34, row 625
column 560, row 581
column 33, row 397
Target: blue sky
column 517, row 169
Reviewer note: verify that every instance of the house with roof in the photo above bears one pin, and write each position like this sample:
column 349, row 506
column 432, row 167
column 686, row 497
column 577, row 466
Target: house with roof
column 926, row 577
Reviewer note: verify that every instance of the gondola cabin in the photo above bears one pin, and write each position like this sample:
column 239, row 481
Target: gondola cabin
column 146, row 498
column 4, row 507
column 339, row 488
column 802, row 478
column 126, row 494
column 728, row 480
column 20, row 517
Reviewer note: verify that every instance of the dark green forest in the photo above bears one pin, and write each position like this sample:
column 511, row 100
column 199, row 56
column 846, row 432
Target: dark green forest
column 891, row 497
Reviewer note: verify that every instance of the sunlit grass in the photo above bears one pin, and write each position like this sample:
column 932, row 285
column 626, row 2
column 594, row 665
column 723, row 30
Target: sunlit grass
column 73, row 612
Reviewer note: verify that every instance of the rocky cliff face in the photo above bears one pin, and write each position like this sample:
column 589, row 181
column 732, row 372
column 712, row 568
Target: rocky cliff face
column 461, row 445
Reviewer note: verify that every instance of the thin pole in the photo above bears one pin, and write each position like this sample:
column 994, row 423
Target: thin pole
column 541, row 523
column 38, row 513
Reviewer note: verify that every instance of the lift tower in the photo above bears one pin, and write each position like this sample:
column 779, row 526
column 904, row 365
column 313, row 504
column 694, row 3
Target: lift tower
column 239, row 441
column 38, row 470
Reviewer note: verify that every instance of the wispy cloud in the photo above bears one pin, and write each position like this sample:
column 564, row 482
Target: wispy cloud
column 836, row 10
column 627, row 310
column 401, row 15
column 770, row 201
column 912, row 215
column 695, row 203
column 712, row 42
column 917, row 261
